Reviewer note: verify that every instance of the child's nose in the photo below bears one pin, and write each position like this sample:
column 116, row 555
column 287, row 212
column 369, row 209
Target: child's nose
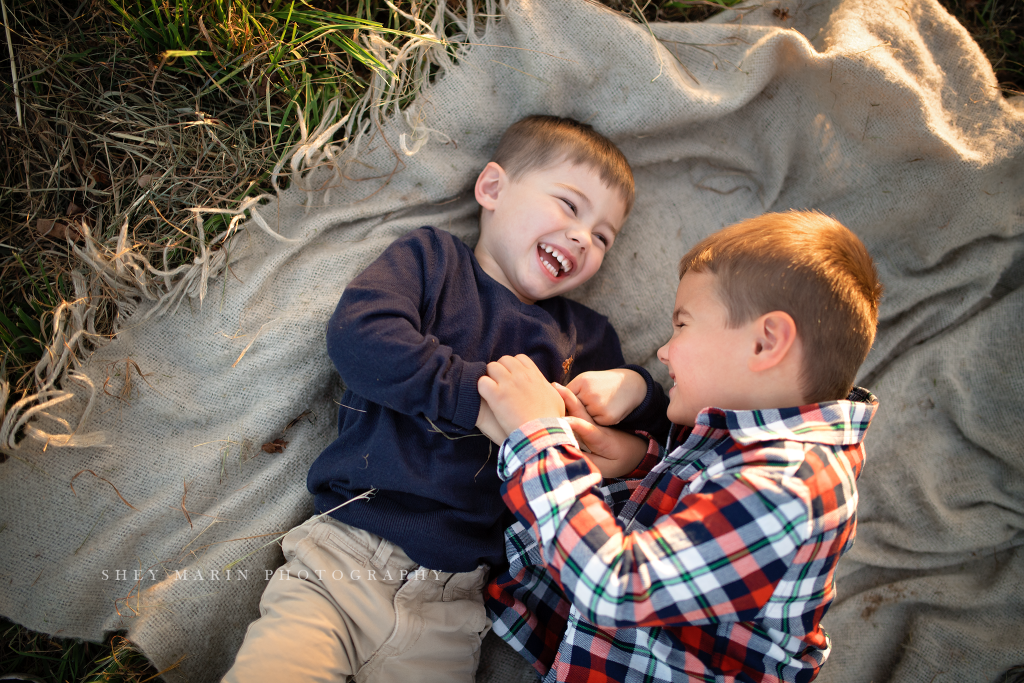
column 577, row 235
column 663, row 354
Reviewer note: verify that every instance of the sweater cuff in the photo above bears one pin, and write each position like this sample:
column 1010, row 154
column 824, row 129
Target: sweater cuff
column 467, row 410
column 650, row 417
column 650, row 401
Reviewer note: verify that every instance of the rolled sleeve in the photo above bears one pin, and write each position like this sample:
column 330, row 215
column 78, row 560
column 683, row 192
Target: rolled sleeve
column 531, row 439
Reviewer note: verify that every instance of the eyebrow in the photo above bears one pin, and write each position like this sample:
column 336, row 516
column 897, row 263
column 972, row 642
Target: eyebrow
column 680, row 311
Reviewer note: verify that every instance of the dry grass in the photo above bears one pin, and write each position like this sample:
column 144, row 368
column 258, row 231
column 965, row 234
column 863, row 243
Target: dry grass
column 998, row 26
column 107, row 138
column 111, row 126
column 42, row 657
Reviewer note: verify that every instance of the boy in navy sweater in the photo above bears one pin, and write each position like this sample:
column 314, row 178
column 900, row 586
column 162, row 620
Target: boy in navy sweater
column 391, row 588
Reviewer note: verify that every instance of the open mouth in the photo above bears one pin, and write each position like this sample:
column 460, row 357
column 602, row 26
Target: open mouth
column 557, row 263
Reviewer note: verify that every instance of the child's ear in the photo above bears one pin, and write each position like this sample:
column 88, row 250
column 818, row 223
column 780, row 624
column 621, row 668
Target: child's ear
column 489, row 185
column 774, row 336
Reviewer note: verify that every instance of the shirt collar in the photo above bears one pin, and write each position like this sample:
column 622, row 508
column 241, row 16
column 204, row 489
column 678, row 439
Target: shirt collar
column 835, row 423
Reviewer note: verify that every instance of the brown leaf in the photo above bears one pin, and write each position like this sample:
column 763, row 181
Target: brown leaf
column 145, row 180
column 75, row 209
column 57, row 229
column 101, row 178
column 275, row 446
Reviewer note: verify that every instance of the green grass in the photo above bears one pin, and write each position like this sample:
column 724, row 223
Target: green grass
column 998, row 27
column 292, row 48
column 28, row 306
column 54, row 659
column 133, row 111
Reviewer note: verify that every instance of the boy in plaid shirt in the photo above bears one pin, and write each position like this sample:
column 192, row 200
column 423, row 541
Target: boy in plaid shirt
column 716, row 561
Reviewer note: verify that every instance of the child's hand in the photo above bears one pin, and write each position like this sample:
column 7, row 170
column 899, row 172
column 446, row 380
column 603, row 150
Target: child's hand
column 488, row 424
column 609, row 395
column 517, row 392
column 613, row 452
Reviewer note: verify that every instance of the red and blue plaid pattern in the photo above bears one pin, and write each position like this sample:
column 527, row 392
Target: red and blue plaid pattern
column 720, row 562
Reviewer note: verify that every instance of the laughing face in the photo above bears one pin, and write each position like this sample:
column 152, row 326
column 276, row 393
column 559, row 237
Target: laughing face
column 705, row 356
column 547, row 232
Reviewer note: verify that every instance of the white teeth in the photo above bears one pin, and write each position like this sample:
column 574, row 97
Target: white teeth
column 562, row 259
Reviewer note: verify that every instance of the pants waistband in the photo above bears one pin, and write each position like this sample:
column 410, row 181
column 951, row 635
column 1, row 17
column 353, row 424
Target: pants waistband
column 383, row 555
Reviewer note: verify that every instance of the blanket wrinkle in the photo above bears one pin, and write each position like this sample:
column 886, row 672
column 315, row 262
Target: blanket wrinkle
column 886, row 117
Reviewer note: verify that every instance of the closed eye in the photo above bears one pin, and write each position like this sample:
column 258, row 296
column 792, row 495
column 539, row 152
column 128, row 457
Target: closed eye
column 572, row 207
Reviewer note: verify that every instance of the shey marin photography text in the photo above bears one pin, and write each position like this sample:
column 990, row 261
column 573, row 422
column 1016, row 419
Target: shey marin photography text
column 283, row 574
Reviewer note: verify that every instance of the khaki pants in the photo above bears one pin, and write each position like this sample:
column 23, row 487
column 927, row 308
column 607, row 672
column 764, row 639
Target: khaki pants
column 347, row 603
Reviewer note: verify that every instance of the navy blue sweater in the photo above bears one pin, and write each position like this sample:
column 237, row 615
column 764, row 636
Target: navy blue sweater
column 411, row 336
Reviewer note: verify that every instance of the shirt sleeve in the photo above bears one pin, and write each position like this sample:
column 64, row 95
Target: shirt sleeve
column 526, row 606
column 377, row 341
column 712, row 556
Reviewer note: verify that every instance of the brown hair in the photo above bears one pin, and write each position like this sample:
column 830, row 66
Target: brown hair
column 813, row 268
column 541, row 141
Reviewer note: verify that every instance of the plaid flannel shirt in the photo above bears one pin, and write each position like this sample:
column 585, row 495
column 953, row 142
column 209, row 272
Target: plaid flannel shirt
column 718, row 565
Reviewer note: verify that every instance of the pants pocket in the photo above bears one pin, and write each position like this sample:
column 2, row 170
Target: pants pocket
column 333, row 539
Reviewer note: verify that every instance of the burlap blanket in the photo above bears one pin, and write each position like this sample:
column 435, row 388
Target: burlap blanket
column 885, row 115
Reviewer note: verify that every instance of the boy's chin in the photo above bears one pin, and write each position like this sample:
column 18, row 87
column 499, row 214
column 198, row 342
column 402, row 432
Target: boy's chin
column 681, row 417
column 546, row 290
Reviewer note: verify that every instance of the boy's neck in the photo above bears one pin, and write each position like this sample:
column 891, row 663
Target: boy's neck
column 491, row 267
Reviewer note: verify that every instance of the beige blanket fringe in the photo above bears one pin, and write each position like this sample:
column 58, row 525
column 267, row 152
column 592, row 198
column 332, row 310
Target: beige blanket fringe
column 133, row 278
